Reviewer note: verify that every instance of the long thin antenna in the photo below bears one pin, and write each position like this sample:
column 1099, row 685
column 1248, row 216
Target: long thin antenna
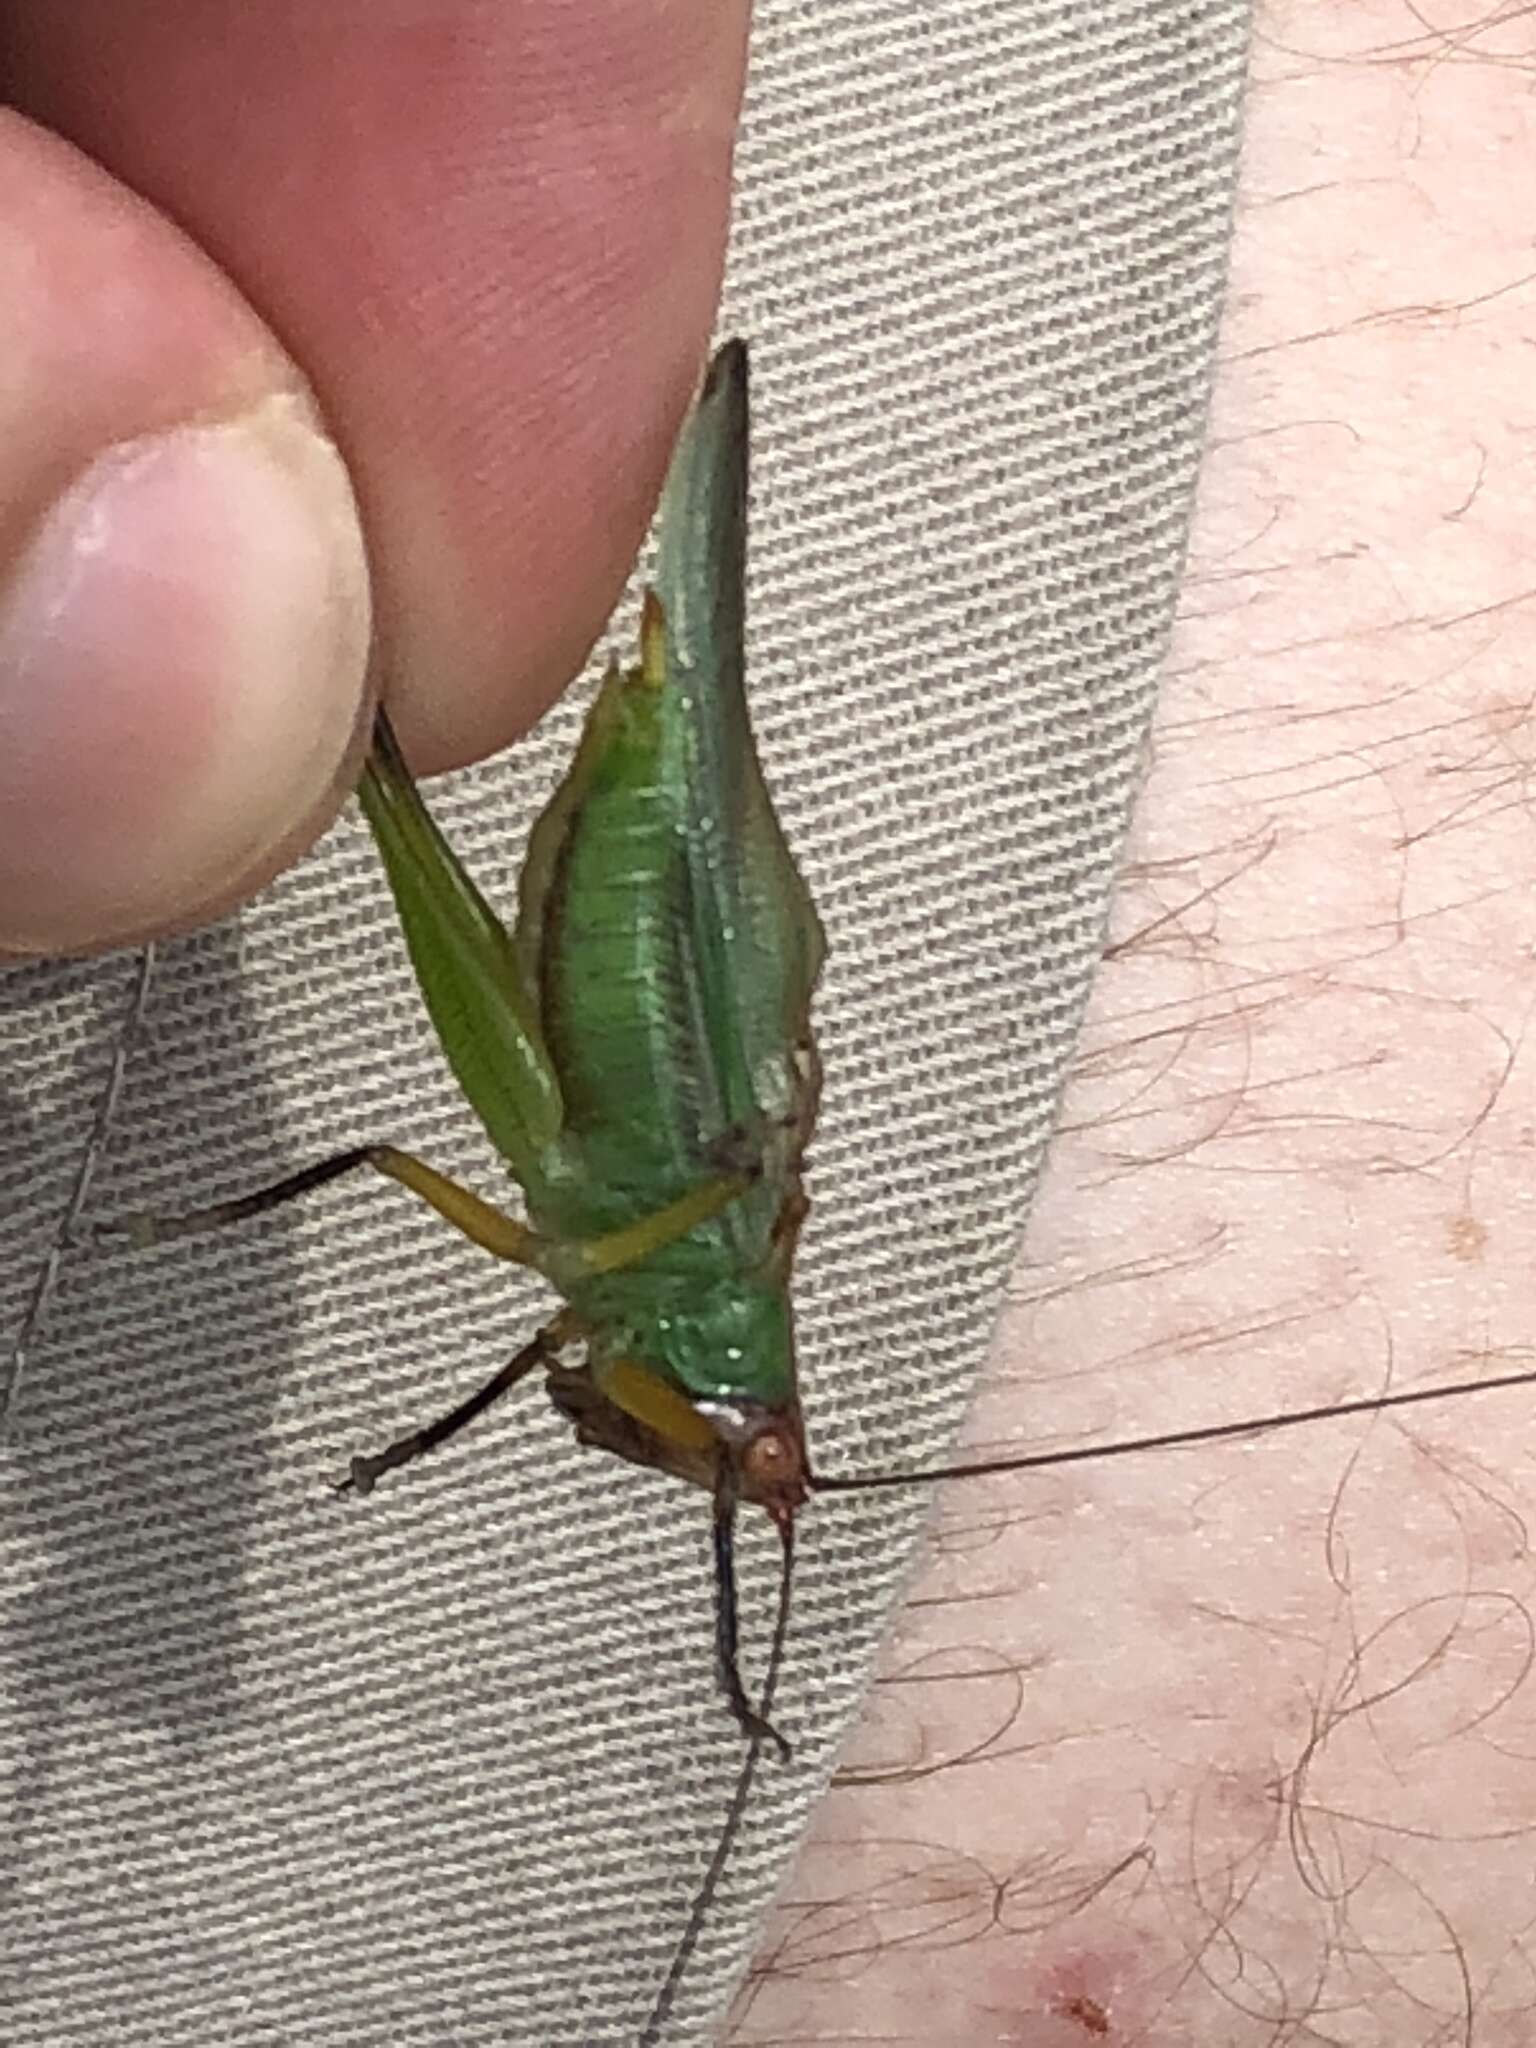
column 735, row 1812
column 1173, row 1439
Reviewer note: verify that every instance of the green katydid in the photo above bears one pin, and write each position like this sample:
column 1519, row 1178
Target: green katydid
column 637, row 1046
column 638, row 1049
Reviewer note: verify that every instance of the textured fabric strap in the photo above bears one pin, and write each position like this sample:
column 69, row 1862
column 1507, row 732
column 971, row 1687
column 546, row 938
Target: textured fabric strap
column 445, row 1766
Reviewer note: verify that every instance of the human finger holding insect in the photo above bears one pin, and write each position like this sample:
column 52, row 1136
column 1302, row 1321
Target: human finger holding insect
column 259, row 413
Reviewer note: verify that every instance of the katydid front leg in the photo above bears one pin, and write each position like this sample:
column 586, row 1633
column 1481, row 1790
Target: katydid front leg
column 541, row 1349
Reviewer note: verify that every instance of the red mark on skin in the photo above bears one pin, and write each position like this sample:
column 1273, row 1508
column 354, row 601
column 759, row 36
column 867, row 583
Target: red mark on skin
column 1087, row 2012
column 1086, row 1994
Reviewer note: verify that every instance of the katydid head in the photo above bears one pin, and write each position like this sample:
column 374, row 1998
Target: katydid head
column 713, row 1378
column 765, row 1450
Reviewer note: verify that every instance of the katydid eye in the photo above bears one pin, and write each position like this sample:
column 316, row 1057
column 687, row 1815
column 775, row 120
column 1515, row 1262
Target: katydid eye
column 771, row 1459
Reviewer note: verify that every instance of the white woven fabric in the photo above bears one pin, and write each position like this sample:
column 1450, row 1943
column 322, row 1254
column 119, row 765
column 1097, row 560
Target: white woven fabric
column 445, row 1767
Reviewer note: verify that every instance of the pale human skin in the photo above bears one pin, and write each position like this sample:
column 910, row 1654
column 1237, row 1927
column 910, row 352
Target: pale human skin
column 1237, row 1746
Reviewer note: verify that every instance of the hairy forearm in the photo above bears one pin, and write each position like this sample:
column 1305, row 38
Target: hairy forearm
column 1221, row 1739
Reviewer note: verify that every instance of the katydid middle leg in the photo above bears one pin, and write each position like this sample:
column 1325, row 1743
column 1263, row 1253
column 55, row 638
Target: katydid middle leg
column 559, row 1260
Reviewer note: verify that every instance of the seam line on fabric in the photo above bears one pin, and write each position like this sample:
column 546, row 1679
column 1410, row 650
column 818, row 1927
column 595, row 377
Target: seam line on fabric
column 43, row 1288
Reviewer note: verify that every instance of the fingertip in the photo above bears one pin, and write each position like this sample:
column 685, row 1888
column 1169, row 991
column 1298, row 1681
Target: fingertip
column 183, row 673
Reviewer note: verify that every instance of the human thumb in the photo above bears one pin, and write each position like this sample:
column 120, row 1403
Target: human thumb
column 183, row 593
